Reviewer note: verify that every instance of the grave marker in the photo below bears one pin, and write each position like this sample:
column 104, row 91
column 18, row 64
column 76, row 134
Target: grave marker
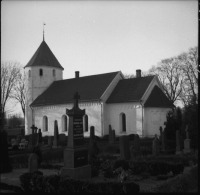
column 178, row 150
column 33, row 162
column 156, row 146
column 124, row 147
column 136, row 143
column 187, row 147
column 55, row 140
column 39, row 138
column 92, row 135
column 76, row 154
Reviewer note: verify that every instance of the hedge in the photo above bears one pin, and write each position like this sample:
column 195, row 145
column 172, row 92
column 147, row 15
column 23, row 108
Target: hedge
column 35, row 182
column 187, row 182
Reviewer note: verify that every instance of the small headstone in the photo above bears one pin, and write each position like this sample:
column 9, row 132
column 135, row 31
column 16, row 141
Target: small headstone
column 156, row 147
column 113, row 135
column 124, row 147
column 92, row 135
column 163, row 140
column 110, row 133
column 55, row 140
column 32, row 162
column 39, row 137
column 136, row 144
column 187, row 141
column 178, row 150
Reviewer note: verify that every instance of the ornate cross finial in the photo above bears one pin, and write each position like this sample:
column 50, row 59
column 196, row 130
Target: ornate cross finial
column 43, row 30
column 76, row 97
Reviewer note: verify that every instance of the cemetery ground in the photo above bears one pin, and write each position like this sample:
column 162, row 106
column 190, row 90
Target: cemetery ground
column 142, row 168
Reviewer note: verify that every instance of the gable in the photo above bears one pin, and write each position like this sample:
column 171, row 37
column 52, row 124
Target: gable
column 158, row 99
column 90, row 88
column 130, row 90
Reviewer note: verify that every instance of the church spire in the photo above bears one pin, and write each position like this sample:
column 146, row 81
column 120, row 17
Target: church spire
column 43, row 30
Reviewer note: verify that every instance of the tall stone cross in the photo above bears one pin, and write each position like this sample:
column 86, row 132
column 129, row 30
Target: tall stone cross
column 76, row 98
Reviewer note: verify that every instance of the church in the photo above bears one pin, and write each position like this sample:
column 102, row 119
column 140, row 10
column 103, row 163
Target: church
column 130, row 106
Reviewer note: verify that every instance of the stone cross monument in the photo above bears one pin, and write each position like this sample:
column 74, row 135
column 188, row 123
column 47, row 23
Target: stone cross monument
column 76, row 154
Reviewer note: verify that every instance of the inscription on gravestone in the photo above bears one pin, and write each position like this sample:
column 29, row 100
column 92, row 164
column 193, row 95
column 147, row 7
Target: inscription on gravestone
column 78, row 131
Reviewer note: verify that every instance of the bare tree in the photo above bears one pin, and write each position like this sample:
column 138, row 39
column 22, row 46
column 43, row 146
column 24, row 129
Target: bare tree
column 18, row 92
column 170, row 74
column 189, row 63
column 9, row 75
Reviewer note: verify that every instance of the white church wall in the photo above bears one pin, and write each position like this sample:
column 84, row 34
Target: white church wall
column 133, row 112
column 153, row 119
column 53, row 113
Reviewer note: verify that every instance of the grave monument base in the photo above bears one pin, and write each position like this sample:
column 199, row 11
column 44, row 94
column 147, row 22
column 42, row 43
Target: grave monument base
column 188, row 150
column 83, row 172
column 55, row 147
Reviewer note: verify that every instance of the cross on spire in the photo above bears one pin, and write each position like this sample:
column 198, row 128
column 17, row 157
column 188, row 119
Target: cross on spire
column 43, row 30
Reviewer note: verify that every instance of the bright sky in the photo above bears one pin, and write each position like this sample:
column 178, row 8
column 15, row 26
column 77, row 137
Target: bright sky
column 96, row 37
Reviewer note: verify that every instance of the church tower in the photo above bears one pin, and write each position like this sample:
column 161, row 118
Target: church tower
column 41, row 71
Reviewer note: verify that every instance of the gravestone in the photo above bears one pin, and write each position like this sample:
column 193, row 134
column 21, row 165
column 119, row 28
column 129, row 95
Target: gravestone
column 92, row 135
column 187, row 141
column 124, row 147
column 39, row 137
column 32, row 162
column 163, row 139
column 156, row 146
column 178, row 150
column 76, row 154
column 62, row 137
column 110, row 133
column 136, row 144
column 55, row 139
column 113, row 135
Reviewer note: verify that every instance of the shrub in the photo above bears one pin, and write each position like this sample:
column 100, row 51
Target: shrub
column 186, row 182
column 29, row 180
column 106, row 169
column 16, row 189
column 58, row 184
column 121, row 163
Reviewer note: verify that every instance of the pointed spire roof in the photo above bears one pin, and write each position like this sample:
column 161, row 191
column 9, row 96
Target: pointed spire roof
column 44, row 57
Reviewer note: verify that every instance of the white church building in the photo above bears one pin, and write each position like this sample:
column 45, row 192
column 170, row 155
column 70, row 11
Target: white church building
column 130, row 106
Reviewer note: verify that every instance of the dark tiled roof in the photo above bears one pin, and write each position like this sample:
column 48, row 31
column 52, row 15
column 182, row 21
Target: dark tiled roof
column 158, row 99
column 130, row 90
column 44, row 57
column 89, row 88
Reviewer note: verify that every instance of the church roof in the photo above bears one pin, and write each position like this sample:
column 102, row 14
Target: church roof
column 130, row 90
column 90, row 88
column 44, row 57
column 158, row 99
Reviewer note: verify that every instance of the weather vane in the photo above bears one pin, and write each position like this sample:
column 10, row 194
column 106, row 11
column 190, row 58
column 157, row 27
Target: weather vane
column 43, row 30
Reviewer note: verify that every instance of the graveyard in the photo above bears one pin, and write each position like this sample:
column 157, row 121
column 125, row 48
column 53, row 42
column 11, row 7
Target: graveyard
column 122, row 164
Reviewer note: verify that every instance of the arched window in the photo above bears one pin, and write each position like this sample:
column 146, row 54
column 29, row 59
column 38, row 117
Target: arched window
column 64, row 123
column 41, row 72
column 45, row 123
column 122, row 122
column 85, row 123
column 29, row 73
column 54, row 72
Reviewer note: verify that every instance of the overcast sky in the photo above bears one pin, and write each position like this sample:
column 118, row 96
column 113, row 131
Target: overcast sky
column 96, row 37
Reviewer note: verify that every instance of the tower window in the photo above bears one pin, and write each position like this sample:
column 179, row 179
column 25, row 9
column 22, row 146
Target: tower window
column 54, row 72
column 29, row 73
column 41, row 72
